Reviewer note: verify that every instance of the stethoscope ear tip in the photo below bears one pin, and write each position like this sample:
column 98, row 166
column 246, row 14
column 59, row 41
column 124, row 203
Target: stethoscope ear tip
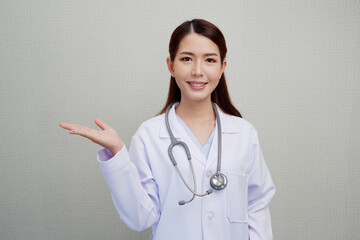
column 182, row 202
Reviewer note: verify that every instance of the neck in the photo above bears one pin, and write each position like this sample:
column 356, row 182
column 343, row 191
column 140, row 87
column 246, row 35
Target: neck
column 196, row 112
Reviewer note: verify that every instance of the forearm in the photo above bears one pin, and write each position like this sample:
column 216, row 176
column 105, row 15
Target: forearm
column 133, row 203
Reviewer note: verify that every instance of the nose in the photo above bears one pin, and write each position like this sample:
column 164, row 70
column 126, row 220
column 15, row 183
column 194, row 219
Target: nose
column 197, row 69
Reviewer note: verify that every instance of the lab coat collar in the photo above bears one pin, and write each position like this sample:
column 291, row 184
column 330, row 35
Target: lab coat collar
column 227, row 124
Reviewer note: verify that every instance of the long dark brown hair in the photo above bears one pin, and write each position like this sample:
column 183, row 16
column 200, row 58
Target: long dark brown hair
column 220, row 95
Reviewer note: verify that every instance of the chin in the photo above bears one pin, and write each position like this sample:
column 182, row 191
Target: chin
column 198, row 99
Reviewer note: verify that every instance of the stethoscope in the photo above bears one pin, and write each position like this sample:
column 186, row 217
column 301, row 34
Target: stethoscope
column 218, row 181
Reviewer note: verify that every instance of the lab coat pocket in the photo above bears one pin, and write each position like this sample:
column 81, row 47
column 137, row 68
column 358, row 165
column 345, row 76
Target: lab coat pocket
column 237, row 197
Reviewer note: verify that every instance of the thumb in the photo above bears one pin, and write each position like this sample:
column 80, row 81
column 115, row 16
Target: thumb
column 101, row 124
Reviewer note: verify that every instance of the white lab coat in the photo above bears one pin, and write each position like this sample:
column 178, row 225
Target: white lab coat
column 146, row 188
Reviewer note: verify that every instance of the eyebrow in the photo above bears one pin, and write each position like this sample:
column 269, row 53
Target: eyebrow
column 192, row 54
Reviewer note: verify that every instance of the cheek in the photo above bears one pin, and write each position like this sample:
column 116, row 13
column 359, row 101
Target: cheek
column 215, row 74
column 180, row 83
column 179, row 71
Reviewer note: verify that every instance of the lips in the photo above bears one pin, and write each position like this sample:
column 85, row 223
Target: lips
column 197, row 85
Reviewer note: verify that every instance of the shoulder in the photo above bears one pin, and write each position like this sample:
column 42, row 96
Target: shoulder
column 241, row 130
column 151, row 126
column 231, row 123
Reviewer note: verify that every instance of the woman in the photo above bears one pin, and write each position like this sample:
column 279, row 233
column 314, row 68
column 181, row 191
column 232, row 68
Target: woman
column 230, row 198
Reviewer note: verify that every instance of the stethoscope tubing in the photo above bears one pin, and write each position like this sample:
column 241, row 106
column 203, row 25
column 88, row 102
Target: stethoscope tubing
column 219, row 138
column 175, row 142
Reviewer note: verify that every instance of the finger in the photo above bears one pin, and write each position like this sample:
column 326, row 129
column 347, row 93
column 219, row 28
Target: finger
column 85, row 132
column 101, row 124
column 65, row 125
column 70, row 126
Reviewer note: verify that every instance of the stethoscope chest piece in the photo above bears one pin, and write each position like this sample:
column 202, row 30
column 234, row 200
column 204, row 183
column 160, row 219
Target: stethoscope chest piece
column 218, row 181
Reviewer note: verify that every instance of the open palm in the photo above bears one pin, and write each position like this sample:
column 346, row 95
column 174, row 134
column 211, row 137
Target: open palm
column 107, row 137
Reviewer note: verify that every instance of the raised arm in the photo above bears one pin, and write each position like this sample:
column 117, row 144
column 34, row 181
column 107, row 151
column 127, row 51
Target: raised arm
column 135, row 198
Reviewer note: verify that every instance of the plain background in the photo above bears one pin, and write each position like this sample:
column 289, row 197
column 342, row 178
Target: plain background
column 293, row 71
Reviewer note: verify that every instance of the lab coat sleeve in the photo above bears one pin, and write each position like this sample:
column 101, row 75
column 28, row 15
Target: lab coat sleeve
column 260, row 192
column 135, row 198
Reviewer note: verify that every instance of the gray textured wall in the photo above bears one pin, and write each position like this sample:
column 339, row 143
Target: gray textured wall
column 293, row 71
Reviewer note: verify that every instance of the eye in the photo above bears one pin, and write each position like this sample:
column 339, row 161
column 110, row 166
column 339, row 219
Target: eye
column 210, row 60
column 185, row 59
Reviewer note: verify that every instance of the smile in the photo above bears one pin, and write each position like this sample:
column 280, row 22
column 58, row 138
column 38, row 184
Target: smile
column 197, row 85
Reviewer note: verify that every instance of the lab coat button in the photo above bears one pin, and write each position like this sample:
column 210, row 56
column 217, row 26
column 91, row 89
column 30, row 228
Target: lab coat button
column 210, row 216
column 209, row 174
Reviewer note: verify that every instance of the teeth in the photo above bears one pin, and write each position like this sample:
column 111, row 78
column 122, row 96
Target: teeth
column 197, row 84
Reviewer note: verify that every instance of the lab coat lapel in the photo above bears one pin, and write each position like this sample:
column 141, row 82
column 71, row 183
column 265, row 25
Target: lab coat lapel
column 213, row 153
column 227, row 127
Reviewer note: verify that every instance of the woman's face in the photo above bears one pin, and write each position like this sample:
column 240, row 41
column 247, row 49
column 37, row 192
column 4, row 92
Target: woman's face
column 197, row 67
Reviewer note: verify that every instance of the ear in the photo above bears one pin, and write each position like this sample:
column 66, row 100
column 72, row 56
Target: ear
column 170, row 65
column 223, row 67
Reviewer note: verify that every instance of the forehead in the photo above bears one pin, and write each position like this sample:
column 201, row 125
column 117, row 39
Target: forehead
column 197, row 44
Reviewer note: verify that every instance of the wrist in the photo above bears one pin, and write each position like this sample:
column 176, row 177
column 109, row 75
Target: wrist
column 116, row 148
